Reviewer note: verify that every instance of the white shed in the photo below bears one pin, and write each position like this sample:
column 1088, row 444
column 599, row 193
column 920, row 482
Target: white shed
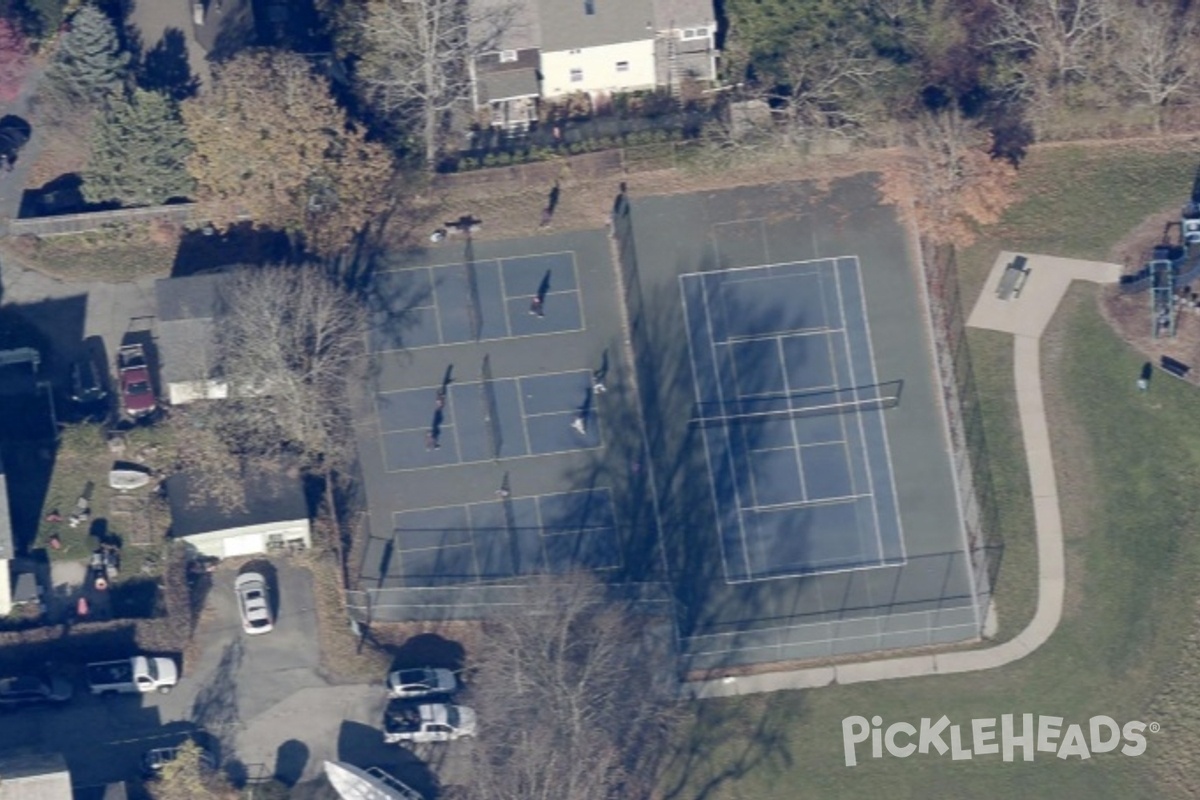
column 275, row 517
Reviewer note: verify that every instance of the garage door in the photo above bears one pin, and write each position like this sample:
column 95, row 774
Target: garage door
column 244, row 545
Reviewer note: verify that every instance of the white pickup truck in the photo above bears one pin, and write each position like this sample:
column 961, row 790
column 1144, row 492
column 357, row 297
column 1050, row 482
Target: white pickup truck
column 131, row 675
column 430, row 722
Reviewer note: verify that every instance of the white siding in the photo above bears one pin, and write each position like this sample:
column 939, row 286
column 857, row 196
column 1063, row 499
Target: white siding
column 181, row 392
column 242, row 541
column 599, row 69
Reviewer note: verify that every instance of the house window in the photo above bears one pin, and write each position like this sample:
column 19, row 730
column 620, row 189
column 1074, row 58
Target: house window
column 575, row 52
column 507, row 55
column 695, row 33
column 576, row 75
column 622, row 66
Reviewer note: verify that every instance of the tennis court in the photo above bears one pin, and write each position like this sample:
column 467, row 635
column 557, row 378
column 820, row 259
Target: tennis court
column 793, row 418
column 487, row 419
column 503, row 538
column 476, row 300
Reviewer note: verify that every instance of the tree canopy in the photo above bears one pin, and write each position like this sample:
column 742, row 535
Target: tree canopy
column 89, row 65
column 272, row 145
column 139, row 150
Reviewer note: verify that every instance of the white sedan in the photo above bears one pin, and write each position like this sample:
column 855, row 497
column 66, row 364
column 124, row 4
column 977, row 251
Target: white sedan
column 254, row 602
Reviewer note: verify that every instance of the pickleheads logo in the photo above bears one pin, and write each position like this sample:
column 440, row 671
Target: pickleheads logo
column 982, row 737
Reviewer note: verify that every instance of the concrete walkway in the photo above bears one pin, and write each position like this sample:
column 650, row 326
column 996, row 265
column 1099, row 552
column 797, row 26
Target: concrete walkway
column 1025, row 317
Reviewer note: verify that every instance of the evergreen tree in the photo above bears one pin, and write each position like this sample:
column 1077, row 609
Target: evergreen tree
column 139, row 153
column 89, row 66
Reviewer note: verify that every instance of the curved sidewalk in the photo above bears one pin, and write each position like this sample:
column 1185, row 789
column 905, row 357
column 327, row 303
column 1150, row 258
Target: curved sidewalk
column 1025, row 317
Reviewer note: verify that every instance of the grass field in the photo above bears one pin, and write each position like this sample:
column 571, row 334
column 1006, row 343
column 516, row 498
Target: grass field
column 1126, row 464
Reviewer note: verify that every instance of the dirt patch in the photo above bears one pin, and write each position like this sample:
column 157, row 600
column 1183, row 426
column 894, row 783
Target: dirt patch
column 1130, row 316
column 1134, row 248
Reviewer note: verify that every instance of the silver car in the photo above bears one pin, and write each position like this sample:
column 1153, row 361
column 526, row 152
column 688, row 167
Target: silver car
column 254, row 603
column 420, row 682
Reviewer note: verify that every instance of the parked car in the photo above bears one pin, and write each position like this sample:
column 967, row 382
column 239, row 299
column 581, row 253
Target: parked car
column 254, row 603
column 137, row 392
column 154, row 760
column 24, row 690
column 421, row 682
column 89, row 375
column 429, row 722
column 130, row 675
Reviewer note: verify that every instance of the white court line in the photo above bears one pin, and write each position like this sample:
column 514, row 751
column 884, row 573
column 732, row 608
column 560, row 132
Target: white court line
column 471, row 539
column 504, row 298
column 828, row 259
column 791, row 428
column 712, row 483
column 737, row 492
column 607, row 492
column 812, row 573
column 823, row 501
column 858, row 414
column 505, row 459
column 887, row 448
column 751, row 337
column 524, row 416
column 472, row 342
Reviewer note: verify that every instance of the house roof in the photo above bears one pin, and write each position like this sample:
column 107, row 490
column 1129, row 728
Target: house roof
column 185, row 350
column 508, row 85
column 679, row 14
column 34, row 776
column 566, row 25
column 193, row 297
column 186, row 307
column 505, row 80
column 271, row 496
column 6, row 533
column 504, row 24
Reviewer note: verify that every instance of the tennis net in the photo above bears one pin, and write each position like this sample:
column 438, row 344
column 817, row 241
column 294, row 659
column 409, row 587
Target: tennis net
column 491, row 415
column 765, row 408
column 474, row 306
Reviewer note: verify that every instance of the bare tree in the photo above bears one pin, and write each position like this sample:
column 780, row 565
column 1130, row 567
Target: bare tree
column 188, row 777
column 949, row 179
column 1157, row 53
column 416, row 56
column 574, row 694
column 832, row 87
column 289, row 342
column 1055, row 41
column 288, row 345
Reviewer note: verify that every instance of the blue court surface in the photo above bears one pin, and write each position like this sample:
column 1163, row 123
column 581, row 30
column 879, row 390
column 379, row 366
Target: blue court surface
column 477, row 301
column 792, row 416
column 499, row 539
column 482, row 421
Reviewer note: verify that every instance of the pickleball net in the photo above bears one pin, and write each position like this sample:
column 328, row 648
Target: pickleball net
column 491, row 414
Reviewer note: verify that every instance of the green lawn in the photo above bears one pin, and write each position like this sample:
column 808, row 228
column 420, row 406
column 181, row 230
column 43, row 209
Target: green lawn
column 82, row 457
column 1126, row 463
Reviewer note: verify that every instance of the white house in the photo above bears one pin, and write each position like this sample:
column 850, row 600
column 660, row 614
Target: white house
column 274, row 517
column 554, row 48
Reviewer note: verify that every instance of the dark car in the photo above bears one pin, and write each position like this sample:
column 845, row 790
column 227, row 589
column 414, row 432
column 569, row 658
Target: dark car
column 24, row 690
column 89, row 375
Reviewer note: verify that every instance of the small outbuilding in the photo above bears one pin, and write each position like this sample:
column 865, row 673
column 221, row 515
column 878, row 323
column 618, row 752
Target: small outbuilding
column 274, row 516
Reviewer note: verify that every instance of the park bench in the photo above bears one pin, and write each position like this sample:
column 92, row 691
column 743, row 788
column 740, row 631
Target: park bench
column 1013, row 280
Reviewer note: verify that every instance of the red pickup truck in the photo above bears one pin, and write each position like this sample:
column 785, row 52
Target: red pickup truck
column 137, row 393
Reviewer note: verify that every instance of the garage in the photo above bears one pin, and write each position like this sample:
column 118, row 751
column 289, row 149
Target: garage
column 274, row 516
